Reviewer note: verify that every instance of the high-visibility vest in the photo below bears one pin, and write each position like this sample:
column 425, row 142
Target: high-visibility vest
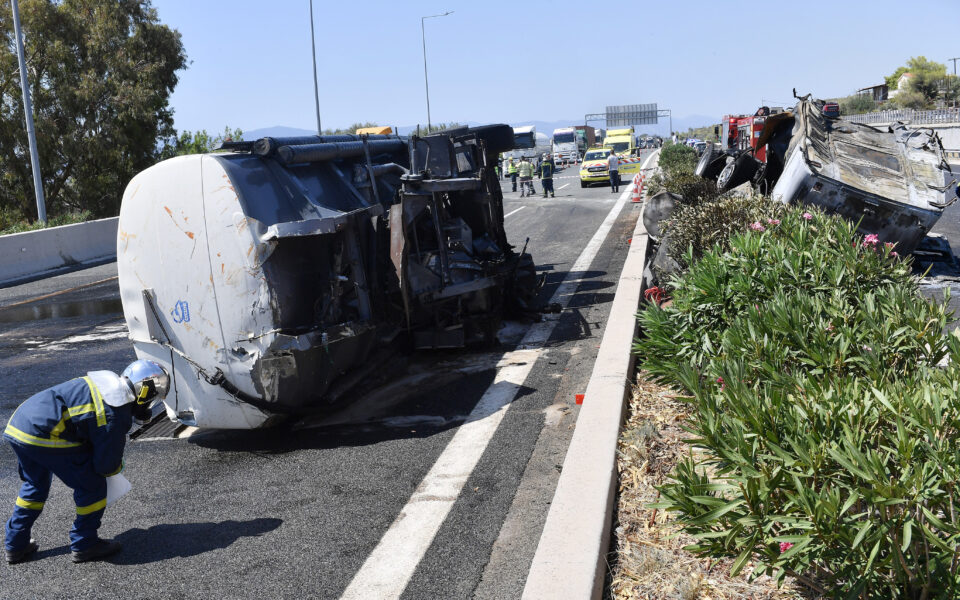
column 526, row 169
column 511, row 168
column 546, row 170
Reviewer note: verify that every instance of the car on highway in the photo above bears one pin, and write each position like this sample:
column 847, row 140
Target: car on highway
column 594, row 167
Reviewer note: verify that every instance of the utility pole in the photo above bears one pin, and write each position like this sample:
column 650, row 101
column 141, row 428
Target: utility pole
column 28, row 114
column 316, row 89
column 423, row 37
column 954, row 64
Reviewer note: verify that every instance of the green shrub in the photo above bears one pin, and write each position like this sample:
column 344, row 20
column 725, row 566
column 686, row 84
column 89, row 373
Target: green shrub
column 692, row 187
column 830, row 442
column 822, row 256
column 677, row 158
column 709, row 221
column 654, row 185
column 12, row 221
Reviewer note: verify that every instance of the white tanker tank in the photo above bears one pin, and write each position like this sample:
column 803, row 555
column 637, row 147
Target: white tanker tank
column 262, row 276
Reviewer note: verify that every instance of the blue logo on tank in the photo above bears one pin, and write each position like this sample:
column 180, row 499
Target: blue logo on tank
column 181, row 312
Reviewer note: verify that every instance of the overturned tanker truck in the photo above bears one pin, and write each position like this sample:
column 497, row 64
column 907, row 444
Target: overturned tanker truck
column 272, row 277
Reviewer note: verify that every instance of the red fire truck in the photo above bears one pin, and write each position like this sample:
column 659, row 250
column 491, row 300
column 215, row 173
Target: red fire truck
column 742, row 153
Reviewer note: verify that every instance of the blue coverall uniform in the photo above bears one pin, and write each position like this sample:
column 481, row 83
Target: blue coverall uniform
column 546, row 177
column 67, row 431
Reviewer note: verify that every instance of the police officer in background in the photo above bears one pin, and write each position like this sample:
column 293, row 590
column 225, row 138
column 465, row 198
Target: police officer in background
column 77, row 431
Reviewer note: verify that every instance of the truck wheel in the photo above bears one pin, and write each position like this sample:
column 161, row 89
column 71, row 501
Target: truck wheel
column 711, row 163
column 583, row 184
column 737, row 172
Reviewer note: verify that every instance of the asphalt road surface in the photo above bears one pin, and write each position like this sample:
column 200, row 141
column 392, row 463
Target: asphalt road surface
column 433, row 486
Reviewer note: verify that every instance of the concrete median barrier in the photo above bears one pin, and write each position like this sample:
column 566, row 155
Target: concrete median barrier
column 46, row 251
column 570, row 561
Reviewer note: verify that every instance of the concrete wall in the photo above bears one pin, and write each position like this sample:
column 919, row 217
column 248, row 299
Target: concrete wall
column 36, row 253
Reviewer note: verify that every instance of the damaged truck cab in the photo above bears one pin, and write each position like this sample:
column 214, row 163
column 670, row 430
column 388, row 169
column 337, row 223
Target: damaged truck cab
column 262, row 276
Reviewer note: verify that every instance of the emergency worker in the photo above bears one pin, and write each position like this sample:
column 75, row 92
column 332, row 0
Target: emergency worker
column 545, row 173
column 77, row 430
column 512, row 172
column 526, row 170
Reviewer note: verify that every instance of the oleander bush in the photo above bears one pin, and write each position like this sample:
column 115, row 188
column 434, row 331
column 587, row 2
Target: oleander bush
column 827, row 438
column 678, row 158
column 705, row 220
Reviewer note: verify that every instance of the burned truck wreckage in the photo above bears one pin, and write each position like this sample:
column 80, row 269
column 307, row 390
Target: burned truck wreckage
column 267, row 276
column 895, row 182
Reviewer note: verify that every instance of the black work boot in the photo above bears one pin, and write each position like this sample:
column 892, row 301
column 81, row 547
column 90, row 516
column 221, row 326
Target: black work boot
column 18, row 556
column 102, row 549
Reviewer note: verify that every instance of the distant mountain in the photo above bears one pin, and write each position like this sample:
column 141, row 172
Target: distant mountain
column 276, row 131
column 546, row 127
column 694, row 121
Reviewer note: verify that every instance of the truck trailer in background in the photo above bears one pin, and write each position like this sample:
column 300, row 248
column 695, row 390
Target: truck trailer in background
column 586, row 137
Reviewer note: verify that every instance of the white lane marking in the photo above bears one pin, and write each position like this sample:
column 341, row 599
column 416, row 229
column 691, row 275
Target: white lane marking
column 563, row 186
column 388, row 569
column 513, row 212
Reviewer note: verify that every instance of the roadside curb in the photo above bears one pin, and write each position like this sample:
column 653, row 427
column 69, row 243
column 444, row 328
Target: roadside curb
column 570, row 561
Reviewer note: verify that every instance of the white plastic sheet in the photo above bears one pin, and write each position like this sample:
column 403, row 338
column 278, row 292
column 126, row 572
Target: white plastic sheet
column 117, row 487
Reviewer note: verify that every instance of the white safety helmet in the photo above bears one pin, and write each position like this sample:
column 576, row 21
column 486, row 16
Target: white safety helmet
column 148, row 380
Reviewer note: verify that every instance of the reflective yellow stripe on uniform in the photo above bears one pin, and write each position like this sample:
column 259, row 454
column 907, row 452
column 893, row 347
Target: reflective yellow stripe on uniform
column 97, row 402
column 59, row 427
column 74, row 411
column 92, row 508
column 29, row 504
column 33, row 440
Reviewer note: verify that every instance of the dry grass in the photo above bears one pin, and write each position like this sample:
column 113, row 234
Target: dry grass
column 650, row 562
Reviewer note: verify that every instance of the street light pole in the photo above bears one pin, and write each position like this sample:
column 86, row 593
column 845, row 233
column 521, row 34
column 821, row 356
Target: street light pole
column 316, row 90
column 28, row 114
column 954, row 64
column 423, row 38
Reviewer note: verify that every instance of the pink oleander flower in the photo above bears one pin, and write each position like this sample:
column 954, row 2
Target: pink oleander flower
column 756, row 226
column 807, row 216
column 784, row 546
column 870, row 239
column 773, row 221
column 720, row 381
column 867, row 348
column 888, row 244
column 894, row 254
column 830, row 327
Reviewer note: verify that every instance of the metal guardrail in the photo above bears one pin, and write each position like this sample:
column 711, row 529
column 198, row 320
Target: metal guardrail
column 916, row 117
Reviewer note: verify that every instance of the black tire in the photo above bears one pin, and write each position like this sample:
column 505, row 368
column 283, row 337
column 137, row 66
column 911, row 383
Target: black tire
column 711, row 163
column 737, row 172
column 583, row 184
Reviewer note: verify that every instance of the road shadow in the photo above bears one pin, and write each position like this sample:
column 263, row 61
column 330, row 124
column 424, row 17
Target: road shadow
column 427, row 407
column 183, row 540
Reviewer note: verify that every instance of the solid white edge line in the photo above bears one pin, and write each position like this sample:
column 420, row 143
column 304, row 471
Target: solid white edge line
column 513, row 212
column 389, row 567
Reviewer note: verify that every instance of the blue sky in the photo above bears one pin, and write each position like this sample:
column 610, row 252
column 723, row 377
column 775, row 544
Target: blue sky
column 496, row 61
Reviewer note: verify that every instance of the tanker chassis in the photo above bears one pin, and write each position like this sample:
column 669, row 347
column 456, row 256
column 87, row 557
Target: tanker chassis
column 267, row 277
